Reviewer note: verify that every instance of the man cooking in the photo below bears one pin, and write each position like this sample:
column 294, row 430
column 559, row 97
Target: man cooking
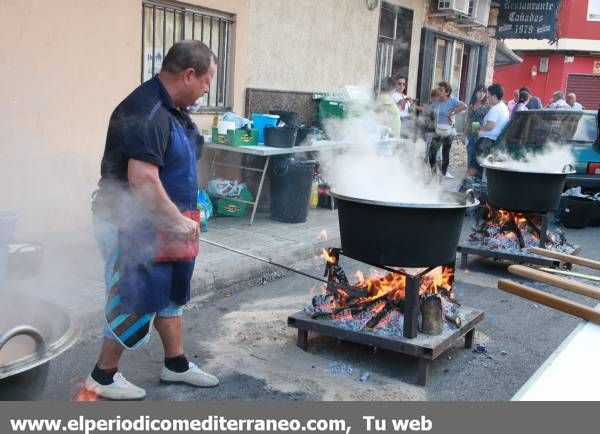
column 148, row 193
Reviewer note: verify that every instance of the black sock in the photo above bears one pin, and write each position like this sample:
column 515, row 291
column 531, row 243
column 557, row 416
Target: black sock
column 177, row 364
column 103, row 376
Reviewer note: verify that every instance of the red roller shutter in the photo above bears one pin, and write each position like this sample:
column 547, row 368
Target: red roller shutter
column 587, row 89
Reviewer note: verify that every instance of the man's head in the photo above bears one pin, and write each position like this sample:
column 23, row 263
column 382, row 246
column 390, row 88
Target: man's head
column 571, row 99
column 516, row 94
column 187, row 71
column 558, row 95
column 495, row 93
column 444, row 90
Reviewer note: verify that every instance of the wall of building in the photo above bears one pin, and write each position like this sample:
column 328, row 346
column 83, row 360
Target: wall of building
column 65, row 65
column 573, row 23
column 478, row 35
column 545, row 83
column 309, row 45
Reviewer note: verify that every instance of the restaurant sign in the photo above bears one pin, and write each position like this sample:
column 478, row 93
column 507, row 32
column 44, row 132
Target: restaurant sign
column 527, row 19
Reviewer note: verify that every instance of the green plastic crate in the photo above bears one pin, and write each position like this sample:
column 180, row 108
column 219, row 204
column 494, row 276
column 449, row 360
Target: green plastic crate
column 233, row 208
column 218, row 138
column 242, row 137
column 330, row 109
column 235, row 137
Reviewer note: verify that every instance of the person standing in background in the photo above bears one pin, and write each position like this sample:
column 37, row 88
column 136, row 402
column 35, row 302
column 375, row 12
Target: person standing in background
column 513, row 102
column 534, row 102
column 445, row 107
column 399, row 96
column 477, row 110
column 522, row 104
column 558, row 102
column 404, row 105
column 572, row 101
column 387, row 108
column 493, row 123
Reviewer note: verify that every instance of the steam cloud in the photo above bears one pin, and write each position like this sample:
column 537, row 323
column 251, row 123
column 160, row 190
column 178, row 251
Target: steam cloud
column 552, row 159
column 369, row 170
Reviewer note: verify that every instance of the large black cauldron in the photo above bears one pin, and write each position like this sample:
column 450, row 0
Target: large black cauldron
column 402, row 234
column 524, row 189
column 32, row 332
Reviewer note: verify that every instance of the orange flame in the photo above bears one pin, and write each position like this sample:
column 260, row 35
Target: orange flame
column 328, row 256
column 393, row 285
column 80, row 393
column 502, row 218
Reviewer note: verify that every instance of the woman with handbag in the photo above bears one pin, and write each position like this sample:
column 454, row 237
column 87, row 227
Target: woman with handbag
column 445, row 107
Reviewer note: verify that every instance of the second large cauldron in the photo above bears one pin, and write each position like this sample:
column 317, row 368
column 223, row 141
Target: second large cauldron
column 402, row 234
column 524, row 188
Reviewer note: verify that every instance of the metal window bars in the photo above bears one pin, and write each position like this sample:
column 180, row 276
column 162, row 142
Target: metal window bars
column 164, row 23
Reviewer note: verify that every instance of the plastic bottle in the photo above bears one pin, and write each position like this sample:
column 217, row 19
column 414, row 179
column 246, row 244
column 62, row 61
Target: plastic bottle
column 203, row 218
column 314, row 192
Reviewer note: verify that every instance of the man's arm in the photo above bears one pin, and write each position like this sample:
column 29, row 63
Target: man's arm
column 489, row 125
column 144, row 180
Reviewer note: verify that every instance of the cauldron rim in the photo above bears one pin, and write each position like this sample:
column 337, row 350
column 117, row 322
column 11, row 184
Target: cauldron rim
column 496, row 166
column 461, row 202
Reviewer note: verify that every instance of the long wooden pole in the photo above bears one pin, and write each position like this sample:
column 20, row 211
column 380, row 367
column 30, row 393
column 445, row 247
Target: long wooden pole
column 570, row 273
column 559, row 282
column 566, row 258
column 550, row 300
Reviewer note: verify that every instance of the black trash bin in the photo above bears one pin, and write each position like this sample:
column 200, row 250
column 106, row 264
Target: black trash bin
column 577, row 212
column 291, row 181
column 595, row 218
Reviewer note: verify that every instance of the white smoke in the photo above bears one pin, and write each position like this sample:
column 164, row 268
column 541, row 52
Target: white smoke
column 552, row 158
column 376, row 170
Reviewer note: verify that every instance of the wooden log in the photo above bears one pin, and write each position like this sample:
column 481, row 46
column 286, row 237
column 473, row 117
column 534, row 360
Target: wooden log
column 570, row 273
column 550, row 300
column 590, row 263
column 559, row 282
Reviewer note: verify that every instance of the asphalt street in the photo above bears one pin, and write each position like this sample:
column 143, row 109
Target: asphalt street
column 240, row 334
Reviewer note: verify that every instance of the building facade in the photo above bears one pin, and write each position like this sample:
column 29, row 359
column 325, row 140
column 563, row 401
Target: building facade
column 572, row 64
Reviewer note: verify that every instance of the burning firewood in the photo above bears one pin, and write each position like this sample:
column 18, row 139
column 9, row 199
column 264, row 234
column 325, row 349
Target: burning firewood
column 385, row 311
column 431, row 315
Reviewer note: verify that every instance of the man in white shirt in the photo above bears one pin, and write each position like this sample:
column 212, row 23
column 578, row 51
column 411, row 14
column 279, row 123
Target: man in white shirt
column 493, row 123
column 572, row 101
column 558, row 101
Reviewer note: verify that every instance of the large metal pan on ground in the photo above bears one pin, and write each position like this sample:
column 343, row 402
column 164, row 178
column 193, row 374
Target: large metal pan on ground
column 32, row 332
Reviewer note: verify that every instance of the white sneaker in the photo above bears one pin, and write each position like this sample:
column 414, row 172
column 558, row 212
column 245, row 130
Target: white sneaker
column 119, row 390
column 193, row 376
column 449, row 175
